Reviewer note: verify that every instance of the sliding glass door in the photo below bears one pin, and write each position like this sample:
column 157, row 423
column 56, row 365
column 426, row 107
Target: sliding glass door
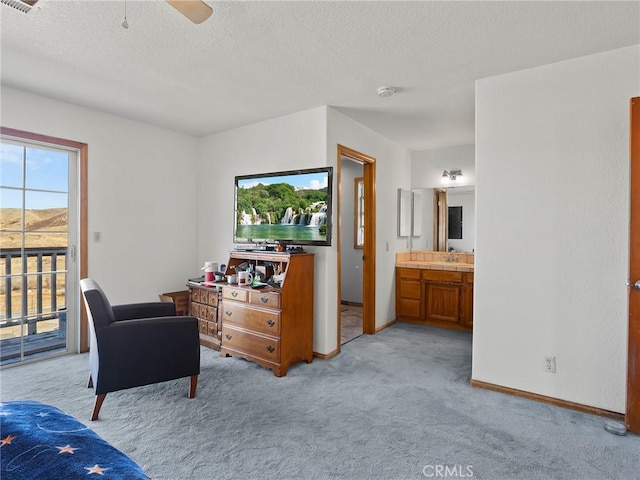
column 38, row 231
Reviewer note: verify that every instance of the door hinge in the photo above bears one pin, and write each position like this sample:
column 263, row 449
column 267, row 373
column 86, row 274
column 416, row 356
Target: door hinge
column 72, row 252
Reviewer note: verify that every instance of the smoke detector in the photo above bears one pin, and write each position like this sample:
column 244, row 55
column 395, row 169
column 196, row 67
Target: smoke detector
column 24, row 6
column 386, row 91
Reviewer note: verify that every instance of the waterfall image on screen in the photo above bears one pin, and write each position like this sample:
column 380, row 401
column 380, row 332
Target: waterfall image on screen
column 285, row 207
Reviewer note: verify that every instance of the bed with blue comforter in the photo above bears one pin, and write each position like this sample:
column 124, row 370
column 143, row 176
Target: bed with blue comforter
column 38, row 441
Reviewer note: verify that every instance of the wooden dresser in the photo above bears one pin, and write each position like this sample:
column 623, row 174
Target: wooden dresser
column 272, row 326
column 204, row 304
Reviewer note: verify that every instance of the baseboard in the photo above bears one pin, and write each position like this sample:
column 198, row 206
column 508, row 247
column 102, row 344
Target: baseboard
column 326, row 356
column 550, row 400
column 353, row 304
column 386, row 325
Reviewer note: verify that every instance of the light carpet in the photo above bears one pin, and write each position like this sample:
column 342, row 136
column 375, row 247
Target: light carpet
column 396, row 405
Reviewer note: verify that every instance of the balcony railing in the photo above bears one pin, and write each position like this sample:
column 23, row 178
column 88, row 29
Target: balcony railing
column 32, row 295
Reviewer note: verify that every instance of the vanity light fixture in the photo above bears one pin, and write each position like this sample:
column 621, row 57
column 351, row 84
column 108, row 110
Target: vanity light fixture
column 451, row 175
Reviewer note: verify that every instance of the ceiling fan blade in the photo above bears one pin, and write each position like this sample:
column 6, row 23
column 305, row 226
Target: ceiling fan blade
column 195, row 10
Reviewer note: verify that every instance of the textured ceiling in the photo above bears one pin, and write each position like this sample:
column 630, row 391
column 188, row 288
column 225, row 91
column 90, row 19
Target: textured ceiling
column 253, row 61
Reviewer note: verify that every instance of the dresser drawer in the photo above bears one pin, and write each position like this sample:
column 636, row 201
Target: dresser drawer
column 265, row 299
column 195, row 295
column 202, row 326
column 254, row 344
column 236, row 294
column 263, row 320
column 213, row 299
column 212, row 313
column 204, row 296
column 212, row 329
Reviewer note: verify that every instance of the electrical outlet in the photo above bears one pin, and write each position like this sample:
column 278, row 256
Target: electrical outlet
column 550, row 364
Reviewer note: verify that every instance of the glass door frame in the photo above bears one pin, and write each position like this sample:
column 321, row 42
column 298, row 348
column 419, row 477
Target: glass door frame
column 77, row 330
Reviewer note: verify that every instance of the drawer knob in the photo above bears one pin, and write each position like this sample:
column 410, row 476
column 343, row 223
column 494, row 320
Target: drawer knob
column 228, row 313
column 270, row 349
column 228, row 337
column 264, row 299
column 271, row 323
column 234, row 294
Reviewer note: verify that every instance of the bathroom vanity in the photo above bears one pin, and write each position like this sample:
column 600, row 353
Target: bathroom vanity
column 435, row 288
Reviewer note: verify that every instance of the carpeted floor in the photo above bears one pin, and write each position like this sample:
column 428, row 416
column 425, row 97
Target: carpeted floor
column 396, row 405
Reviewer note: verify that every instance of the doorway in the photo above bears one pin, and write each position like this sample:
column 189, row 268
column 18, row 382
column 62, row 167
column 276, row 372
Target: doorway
column 440, row 213
column 43, row 193
column 356, row 240
column 352, row 221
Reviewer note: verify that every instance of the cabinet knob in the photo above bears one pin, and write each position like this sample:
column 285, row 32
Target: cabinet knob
column 234, row 294
column 228, row 337
column 270, row 349
column 264, row 299
column 227, row 313
column 271, row 323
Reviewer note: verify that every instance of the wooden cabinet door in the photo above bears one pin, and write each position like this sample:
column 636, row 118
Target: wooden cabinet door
column 466, row 302
column 442, row 302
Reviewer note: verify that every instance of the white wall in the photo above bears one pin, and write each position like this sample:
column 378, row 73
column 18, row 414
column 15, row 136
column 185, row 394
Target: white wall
column 426, row 173
column 151, row 189
column 427, row 166
column 301, row 140
column 392, row 172
column 553, row 161
column 141, row 189
column 351, row 258
column 285, row 143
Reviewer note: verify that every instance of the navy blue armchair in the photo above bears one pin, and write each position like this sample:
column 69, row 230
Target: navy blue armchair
column 137, row 344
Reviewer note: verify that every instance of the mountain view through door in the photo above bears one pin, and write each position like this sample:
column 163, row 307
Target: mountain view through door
column 34, row 249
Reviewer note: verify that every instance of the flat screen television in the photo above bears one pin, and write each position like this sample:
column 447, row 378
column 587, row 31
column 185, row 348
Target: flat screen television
column 285, row 208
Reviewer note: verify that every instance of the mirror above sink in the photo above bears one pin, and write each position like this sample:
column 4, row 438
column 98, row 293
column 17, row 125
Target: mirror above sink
column 431, row 224
column 452, row 170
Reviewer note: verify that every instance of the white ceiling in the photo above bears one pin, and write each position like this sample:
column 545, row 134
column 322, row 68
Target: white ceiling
column 252, row 61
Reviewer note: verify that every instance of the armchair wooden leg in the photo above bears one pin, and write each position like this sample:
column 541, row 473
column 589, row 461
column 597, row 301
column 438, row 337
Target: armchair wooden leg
column 192, row 386
column 97, row 406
